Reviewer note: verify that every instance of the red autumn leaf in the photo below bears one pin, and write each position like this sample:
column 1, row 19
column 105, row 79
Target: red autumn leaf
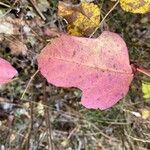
column 7, row 72
column 99, row 67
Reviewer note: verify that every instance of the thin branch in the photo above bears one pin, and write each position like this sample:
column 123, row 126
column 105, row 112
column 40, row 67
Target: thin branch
column 3, row 4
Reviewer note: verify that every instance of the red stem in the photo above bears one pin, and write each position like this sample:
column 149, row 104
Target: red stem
column 144, row 71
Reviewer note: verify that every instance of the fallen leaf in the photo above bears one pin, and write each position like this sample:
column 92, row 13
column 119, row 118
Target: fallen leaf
column 135, row 6
column 82, row 19
column 146, row 90
column 99, row 67
column 7, row 72
column 18, row 48
column 40, row 109
column 145, row 113
column 10, row 25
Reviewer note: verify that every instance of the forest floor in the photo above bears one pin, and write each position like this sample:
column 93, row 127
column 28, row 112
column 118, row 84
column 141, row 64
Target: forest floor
column 48, row 117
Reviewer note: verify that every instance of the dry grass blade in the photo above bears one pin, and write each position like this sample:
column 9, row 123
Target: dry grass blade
column 3, row 4
column 31, row 79
column 37, row 10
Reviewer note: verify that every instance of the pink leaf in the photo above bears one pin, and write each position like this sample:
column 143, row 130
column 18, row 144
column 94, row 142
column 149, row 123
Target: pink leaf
column 7, row 72
column 99, row 67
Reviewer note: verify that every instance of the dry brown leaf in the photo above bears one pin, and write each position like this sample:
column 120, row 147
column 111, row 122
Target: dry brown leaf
column 18, row 48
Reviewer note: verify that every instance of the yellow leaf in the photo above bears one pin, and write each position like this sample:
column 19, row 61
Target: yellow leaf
column 64, row 143
column 146, row 90
column 145, row 113
column 135, row 6
column 40, row 108
column 82, row 19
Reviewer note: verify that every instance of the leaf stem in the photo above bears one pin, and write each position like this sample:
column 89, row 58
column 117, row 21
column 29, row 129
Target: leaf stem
column 144, row 71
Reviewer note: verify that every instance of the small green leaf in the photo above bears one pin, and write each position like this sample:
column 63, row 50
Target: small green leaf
column 146, row 90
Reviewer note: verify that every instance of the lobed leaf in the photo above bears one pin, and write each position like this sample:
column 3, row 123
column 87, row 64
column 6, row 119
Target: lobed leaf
column 99, row 67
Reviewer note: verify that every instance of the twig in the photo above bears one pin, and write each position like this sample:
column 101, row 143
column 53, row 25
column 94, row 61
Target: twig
column 35, row 103
column 47, row 118
column 137, row 139
column 37, row 10
column 32, row 77
column 140, row 140
column 3, row 4
column 12, row 80
column 72, row 132
column 104, row 18
column 10, row 8
column 23, row 141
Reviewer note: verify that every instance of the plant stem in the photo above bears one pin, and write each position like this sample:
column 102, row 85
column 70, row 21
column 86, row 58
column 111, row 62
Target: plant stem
column 144, row 71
